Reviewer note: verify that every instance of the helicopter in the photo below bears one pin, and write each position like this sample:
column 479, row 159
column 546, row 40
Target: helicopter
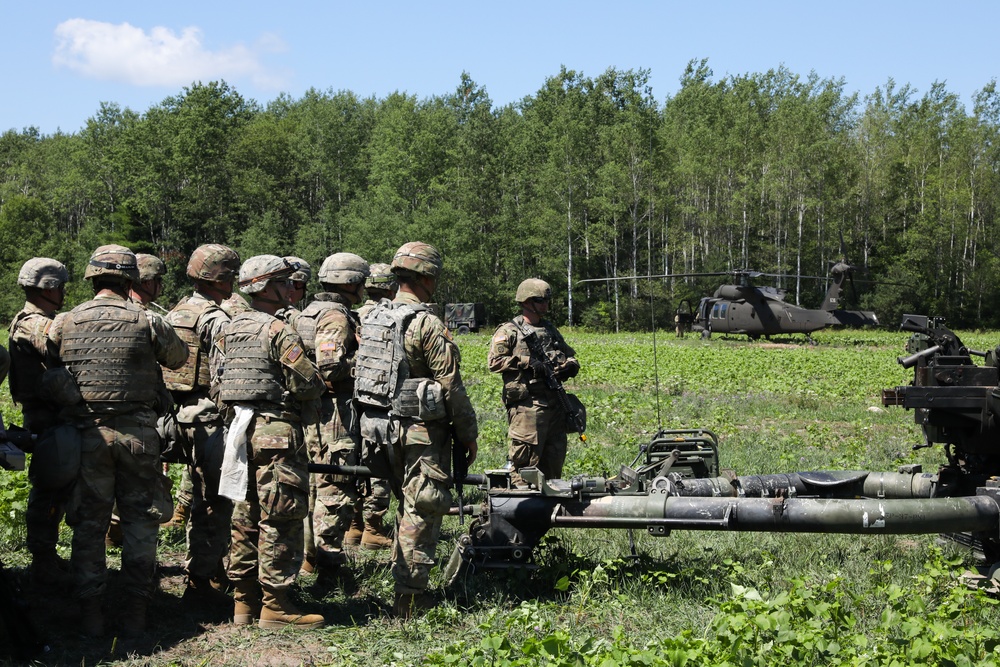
column 755, row 311
column 745, row 308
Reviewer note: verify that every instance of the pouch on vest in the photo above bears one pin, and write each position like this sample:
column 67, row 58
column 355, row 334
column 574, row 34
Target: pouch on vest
column 60, row 385
column 514, row 392
column 421, row 398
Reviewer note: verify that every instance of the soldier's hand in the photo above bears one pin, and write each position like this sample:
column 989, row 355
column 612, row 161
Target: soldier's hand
column 471, row 449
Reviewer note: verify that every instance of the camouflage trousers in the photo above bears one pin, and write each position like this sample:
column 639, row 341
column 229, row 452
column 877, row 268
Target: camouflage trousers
column 46, row 506
column 375, row 496
column 119, row 463
column 423, row 463
column 336, row 499
column 208, row 527
column 267, row 543
column 537, row 439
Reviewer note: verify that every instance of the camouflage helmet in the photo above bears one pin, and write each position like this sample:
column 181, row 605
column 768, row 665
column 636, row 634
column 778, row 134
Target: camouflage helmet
column 214, row 263
column 532, row 288
column 417, row 257
column 304, row 272
column 150, row 266
column 112, row 261
column 43, row 273
column 258, row 270
column 343, row 268
column 380, row 278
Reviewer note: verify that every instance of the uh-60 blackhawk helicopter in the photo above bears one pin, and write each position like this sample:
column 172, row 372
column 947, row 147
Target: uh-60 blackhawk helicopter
column 745, row 308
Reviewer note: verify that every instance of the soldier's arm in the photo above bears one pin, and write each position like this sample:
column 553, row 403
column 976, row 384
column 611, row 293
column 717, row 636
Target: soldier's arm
column 54, row 337
column 442, row 358
column 301, row 377
column 501, row 357
column 570, row 366
column 335, row 346
column 169, row 349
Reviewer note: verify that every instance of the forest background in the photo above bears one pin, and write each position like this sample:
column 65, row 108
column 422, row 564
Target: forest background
column 589, row 177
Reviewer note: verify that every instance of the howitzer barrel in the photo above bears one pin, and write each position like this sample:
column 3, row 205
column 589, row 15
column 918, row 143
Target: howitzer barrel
column 823, row 483
column 791, row 515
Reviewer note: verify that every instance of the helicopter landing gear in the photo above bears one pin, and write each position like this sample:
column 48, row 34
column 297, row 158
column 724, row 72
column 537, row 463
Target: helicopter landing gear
column 705, row 334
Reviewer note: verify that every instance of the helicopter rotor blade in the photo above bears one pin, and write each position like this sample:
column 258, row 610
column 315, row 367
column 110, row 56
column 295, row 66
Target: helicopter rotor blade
column 662, row 275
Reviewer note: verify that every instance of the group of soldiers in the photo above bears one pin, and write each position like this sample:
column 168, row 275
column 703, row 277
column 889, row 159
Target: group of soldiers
column 248, row 392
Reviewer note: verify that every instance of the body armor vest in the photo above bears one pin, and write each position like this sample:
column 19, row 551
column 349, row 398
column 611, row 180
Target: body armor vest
column 545, row 336
column 26, row 366
column 307, row 320
column 194, row 374
column 380, row 368
column 250, row 374
column 107, row 346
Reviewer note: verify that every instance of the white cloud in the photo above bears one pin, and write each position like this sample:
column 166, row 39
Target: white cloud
column 161, row 57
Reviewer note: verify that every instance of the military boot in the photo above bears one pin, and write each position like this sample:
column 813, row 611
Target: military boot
column 353, row 536
column 201, row 591
column 180, row 516
column 91, row 616
column 246, row 601
column 330, row 565
column 133, row 618
column 279, row 612
column 408, row 605
column 376, row 535
column 48, row 569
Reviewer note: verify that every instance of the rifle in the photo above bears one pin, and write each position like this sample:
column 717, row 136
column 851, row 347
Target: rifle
column 553, row 383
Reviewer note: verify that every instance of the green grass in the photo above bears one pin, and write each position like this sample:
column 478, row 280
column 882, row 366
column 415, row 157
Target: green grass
column 692, row 597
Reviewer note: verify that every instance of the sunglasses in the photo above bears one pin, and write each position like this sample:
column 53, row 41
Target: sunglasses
column 539, row 299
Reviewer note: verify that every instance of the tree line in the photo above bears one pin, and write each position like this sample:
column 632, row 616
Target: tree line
column 589, row 177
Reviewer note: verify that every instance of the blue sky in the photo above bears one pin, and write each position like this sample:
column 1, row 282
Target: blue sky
column 62, row 59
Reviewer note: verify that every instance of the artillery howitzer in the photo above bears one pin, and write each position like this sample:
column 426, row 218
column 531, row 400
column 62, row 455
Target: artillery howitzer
column 676, row 483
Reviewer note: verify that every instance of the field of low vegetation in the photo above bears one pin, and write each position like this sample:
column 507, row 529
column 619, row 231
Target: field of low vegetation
column 693, row 598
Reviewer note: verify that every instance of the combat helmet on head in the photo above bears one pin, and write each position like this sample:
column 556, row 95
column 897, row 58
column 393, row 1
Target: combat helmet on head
column 43, row 273
column 112, row 261
column 150, row 266
column 213, row 262
column 343, row 268
column 533, row 288
column 257, row 271
column 304, row 273
column 380, row 277
column 419, row 258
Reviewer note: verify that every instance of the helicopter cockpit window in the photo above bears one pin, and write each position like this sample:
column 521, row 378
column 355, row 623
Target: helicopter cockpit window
column 719, row 311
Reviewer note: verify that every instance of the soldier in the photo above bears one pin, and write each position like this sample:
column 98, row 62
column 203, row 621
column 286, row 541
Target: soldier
column 535, row 417
column 44, row 283
column 150, row 284
column 329, row 330
column 413, row 400
column 300, row 280
column 266, row 376
column 199, row 320
column 111, row 347
column 368, row 524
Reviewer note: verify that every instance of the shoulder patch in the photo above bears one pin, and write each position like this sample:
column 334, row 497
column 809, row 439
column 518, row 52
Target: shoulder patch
column 293, row 353
column 328, row 346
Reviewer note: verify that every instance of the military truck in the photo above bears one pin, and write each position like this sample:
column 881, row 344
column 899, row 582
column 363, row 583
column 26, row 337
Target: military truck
column 465, row 318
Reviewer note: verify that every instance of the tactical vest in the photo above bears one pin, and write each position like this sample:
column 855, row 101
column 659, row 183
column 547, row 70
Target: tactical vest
column 249, row 373
column 305, row 324
column 544, row 332
column 194, row 374
column 381, row 368
column 108, row 347
column 26, row 365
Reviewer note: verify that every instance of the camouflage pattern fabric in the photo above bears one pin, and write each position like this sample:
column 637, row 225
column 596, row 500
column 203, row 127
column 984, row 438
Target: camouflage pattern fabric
column 29, row 346
column 536, row 420
column 120, row 463
column 423, row 456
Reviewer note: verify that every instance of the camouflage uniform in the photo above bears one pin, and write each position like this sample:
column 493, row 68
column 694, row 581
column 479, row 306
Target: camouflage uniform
column 536, row 419
column 199, row 321
column 120, row 459
column 29, row 360
column 267, row 527
column 422, row 455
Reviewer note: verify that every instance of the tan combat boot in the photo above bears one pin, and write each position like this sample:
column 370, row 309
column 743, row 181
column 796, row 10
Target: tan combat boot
column 278, row 612
column 376, row 536
column 91, row 616
column 133, row 619
column 179, row 518
column 246, row 601
column 353, row 535
column 48, row 569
